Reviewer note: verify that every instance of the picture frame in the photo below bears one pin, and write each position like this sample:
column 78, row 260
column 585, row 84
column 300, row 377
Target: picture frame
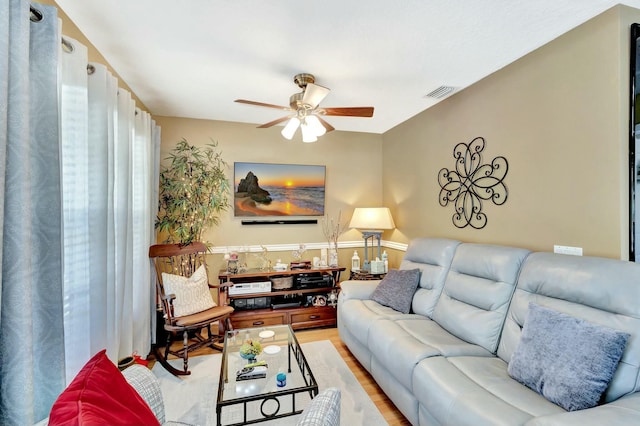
column 270, row 189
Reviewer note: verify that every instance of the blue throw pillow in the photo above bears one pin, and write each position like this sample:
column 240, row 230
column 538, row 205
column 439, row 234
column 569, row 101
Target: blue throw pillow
column 567, row 360
column 397, row 288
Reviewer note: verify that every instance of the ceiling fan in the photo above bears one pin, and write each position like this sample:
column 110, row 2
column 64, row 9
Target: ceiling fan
column 306, row 111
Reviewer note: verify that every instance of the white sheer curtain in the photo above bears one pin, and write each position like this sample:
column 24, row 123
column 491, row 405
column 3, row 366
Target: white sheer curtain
column 106, row 267
column 75, row 205
column 78, row 177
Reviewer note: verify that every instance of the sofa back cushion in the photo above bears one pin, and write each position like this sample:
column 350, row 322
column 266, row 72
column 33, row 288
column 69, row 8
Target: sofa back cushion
column 433, row 257
column 477, row 291
column 600, row 291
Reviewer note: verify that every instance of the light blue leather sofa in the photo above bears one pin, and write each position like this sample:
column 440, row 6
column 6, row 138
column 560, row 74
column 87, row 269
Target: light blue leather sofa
column 445, row 362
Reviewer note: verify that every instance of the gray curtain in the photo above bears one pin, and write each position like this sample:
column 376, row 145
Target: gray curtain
column 31, row 321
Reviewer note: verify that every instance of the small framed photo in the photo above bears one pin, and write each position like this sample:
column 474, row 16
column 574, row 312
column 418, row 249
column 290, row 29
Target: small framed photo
column 319, row 300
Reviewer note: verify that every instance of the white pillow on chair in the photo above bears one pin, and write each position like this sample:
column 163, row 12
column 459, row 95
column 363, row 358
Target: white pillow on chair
column 192, row 294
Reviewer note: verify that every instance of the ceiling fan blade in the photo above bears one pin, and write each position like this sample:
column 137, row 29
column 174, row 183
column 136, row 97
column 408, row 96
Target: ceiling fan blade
column 349, row 111
column 274, row 122
column 314, row 94
column 244, row 101
column 326, row 125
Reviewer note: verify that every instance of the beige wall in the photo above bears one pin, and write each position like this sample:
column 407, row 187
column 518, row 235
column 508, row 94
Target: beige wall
column 353, row 174
column 559, row 116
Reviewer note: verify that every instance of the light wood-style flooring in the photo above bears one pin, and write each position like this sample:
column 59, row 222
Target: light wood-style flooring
column 386, row 407
column 384, row 404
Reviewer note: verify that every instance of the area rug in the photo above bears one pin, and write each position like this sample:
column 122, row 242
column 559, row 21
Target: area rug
column 192, row 399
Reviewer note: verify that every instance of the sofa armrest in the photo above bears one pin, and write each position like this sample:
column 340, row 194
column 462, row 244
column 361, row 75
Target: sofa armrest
column 148, row 387
column 353, row 289
column 623, row 411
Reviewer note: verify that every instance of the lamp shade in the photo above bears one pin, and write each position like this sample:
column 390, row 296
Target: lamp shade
column 372, row 218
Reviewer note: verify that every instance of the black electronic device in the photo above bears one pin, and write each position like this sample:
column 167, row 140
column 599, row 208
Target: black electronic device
column 285, row 305
column 313, row 281
column 251, row 303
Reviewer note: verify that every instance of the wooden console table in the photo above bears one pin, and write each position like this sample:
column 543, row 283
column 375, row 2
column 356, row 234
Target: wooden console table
column 304, row 315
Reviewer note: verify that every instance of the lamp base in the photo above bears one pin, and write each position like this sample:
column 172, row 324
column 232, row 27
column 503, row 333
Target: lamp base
column 373, row 235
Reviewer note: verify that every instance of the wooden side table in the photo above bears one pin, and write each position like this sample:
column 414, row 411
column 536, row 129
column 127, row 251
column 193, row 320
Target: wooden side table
column 364, row 276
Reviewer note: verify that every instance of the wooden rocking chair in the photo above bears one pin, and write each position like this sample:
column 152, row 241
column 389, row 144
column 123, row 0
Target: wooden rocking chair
column 183, row 261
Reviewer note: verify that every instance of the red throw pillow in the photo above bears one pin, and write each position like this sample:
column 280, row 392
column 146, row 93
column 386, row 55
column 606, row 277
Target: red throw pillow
column 100, row 395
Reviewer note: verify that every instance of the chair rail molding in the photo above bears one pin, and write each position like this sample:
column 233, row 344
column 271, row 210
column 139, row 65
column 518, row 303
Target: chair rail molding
column 295, row 246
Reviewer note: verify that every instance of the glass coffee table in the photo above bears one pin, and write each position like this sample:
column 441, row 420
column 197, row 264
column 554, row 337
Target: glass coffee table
column 255, row 400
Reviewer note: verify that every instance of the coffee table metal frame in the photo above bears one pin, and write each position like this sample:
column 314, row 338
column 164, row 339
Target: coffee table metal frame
column 293, row 350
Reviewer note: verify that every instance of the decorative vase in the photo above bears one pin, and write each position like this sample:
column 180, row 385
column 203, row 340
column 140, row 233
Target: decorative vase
column 251, row 358
column 333, row 258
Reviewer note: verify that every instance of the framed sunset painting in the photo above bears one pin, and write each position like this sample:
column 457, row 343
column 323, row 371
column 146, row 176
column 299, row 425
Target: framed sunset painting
column 265, row 189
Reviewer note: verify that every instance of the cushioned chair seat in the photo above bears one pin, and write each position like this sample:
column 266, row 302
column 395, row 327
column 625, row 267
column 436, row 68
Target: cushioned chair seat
column 476, row 391
column 203, row 316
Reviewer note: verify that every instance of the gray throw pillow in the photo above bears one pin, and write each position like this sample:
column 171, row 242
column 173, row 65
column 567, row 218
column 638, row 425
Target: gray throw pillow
column 397, row 288
column 324, row 410
column 567, row 360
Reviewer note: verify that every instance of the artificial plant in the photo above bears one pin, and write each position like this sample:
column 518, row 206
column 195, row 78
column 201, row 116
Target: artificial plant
column 194, row 190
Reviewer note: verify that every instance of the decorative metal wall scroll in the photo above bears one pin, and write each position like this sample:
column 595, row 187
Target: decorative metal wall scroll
column 472, row 182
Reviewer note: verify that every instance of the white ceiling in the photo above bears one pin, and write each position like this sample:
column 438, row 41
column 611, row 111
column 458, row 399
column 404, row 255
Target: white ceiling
column 193, row 58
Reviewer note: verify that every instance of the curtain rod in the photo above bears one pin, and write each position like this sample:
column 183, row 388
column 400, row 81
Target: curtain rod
column 67, row 46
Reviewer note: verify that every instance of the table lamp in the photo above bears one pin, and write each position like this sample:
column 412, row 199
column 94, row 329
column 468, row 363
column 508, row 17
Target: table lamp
column 371, row 221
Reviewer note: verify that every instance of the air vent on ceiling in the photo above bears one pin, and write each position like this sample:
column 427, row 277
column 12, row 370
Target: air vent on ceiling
column 440, row 92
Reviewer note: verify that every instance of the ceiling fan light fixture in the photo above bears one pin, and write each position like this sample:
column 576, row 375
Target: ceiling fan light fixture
column 290, row 129
column 304, row 111
column 308, row 135
column 316, row 127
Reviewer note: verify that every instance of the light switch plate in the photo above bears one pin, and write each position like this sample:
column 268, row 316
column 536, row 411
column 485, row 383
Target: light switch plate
column 575, row 251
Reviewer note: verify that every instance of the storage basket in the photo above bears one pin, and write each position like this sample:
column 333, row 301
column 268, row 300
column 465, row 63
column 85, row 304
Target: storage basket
column 281, row 283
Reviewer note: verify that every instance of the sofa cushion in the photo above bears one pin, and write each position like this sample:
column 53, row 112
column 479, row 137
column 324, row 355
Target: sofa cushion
column 601, row 291
column 567, row 360
column 324, row 410
column 477, row 292
column 192, row 294
column 433, row 257
column 359, row 316
column 396, row 289
column 470, row 390
column 403, row 342
column 99, row 394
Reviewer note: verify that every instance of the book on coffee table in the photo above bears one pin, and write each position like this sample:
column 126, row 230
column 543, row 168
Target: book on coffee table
column 248, row 373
